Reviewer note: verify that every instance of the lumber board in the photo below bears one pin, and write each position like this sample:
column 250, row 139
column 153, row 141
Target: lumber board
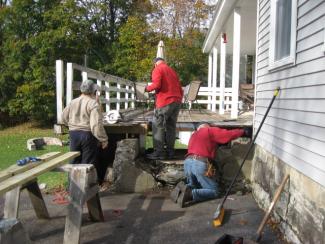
column 15, row 169
column 39, row 169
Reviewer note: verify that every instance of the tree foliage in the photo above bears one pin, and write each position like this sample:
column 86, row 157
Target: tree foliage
column 119, row 37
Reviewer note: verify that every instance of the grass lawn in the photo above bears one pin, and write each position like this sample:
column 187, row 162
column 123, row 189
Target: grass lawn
column 13, row 147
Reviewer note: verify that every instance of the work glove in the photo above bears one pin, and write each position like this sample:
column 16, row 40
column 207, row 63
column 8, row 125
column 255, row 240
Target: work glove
column 248, row 132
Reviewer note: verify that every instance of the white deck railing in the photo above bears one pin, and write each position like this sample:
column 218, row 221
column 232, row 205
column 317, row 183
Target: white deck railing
column 117, row 93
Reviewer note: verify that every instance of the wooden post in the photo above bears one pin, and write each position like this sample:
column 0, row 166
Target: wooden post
column 210, row 81
column 59, row 90
column 235, row 63
column 83, row 188
column 11, row 203
column 37, row 200
column 214, row 78
column 222, row 76
column 69, row 94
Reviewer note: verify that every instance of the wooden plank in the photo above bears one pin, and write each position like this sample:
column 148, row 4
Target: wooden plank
column 25, row 177
column 37, row 200
column 11, row 203
column 15, row 169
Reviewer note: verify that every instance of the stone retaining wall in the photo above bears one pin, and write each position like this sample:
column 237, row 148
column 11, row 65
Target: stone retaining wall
column 300, row 210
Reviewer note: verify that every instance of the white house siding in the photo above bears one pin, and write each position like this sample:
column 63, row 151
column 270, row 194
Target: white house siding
column 295, row 128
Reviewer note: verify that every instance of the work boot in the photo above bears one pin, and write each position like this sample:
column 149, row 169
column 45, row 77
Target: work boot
column 185, row 196
column 177, row 191
column 157, row 155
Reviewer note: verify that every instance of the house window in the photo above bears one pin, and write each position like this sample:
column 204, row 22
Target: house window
column 283, row 33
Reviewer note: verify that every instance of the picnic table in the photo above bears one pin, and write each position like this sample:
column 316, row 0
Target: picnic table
column 83, row 188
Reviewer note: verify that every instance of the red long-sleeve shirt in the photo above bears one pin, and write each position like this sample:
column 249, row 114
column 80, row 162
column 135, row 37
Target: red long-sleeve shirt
column 166, row 84
column 205, row 141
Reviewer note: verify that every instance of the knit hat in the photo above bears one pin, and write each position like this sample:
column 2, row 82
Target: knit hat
column 155, row 60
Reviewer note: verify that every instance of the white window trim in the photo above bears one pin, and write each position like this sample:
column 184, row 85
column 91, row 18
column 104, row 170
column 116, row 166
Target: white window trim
column 291, row 59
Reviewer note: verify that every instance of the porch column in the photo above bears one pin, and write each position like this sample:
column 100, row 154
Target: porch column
column 209, row 107
column 214, row 78
column 222, row 76
column 235, row 63
column 59, row 90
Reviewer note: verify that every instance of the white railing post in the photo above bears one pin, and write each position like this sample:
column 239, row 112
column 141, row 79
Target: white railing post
column 118, row 96
column 222, row 76
column 108, row 105
column 210, row 80
column 69, row 94
column 99, row 88
column 126, row 104
column 59, row 90
column 133, row 97
column 214, row 78
column 235, row 63
column 84, row 75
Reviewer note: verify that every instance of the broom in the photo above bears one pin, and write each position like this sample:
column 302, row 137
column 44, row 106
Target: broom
column 220, row 212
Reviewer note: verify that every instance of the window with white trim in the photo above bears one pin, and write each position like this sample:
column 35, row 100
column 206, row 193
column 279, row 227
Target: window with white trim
column 283, row 33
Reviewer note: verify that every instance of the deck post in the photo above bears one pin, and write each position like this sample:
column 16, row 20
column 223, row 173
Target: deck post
column 59, row 90
column 84, row 75
column 235, row 63
column 222, row 76
column 118, row 97
column 126, row 104
column 209, row 107
column 108, row 105
column 133, row 97
column 69, row 94
column 214, row 78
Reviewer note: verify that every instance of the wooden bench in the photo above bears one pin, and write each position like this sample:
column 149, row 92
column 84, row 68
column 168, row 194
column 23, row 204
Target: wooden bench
column 83, row 189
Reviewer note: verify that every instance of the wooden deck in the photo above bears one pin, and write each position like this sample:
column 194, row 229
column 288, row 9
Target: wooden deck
column 138, row 121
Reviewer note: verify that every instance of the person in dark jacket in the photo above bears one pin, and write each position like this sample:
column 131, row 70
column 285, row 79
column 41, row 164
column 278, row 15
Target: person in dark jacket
column 202, row 147
column 169, row 94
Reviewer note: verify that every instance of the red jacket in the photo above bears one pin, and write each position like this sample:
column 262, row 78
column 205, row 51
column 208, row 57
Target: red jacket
column 204, row 142
column 166, row 84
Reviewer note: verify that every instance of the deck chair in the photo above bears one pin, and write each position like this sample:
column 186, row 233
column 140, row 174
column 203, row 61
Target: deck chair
column 190, row 93
column 246, row 93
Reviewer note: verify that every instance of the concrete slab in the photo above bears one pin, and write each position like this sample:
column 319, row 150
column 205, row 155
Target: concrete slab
column 150, row 218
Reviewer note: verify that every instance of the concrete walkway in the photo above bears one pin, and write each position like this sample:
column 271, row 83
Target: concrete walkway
column 149, row 218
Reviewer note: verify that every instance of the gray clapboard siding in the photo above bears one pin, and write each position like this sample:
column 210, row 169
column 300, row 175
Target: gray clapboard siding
column 310, row 105
column 310, row 7
column 315, row 23
column 311, row 41
column 317, row 133
column 309, row 118
column 310, row 92
column 314, row 66
column 312, row 53
column 295, row 128
column 300, row 81
column 295, row 162
column 315, row 152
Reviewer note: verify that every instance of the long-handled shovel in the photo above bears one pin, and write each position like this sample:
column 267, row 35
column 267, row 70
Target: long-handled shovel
column 220, row 212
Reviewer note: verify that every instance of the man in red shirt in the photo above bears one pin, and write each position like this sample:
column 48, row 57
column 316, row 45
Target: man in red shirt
column 169, row 94
column 201, row 148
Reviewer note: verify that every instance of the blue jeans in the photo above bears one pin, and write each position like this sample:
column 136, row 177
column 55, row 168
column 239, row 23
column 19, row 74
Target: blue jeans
column 203, row 187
